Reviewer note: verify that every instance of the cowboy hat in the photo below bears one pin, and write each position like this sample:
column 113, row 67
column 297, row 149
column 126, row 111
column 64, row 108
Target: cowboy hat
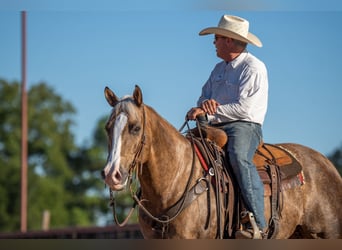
column 234, row 27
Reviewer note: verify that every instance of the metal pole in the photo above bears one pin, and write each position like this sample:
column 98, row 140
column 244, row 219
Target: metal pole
column 23, row 198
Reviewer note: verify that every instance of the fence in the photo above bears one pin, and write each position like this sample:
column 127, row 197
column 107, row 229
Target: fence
column 108, row 232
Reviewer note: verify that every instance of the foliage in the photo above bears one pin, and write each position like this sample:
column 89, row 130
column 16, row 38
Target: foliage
column 336, row 158
column 62, row 177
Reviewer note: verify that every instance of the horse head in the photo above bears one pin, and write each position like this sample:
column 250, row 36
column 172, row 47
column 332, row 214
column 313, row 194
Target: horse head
column 125, row 130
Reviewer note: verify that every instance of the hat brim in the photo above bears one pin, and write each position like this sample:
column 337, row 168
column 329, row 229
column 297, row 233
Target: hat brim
column 252, row 39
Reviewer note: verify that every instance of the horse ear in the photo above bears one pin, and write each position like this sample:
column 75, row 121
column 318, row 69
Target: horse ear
column 110, row 97
column 137, row 95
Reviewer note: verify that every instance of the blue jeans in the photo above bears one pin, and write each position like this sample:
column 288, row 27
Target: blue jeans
column 243, row 140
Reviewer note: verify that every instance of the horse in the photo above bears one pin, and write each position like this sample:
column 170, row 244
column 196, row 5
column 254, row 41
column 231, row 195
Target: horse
column 142, row 143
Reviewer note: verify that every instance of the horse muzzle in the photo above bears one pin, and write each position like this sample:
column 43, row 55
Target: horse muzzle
column 115, row 178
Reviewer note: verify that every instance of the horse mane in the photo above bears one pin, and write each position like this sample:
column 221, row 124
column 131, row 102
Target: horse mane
column 162, row 122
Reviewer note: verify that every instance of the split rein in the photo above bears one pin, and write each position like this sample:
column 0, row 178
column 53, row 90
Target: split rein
column 135, row 195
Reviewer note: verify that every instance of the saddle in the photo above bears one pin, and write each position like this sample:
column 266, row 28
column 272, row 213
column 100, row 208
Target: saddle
column 290, row 170
column 278, row 169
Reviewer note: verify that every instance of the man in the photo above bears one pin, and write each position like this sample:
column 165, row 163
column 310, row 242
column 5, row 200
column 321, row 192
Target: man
column 235, row 97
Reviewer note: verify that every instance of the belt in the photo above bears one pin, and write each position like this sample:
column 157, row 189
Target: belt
column 221, row 124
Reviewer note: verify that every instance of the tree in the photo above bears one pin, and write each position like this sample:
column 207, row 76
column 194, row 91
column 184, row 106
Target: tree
column 49, row 143
column 336, row 158
column 87, row 164
column 9, row 156
column 62, row 177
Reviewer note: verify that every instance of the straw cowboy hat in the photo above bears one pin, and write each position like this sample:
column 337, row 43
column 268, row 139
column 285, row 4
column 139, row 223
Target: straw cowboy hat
column 234, row 27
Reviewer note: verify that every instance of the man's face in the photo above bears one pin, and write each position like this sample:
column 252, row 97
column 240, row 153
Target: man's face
column 221, row 44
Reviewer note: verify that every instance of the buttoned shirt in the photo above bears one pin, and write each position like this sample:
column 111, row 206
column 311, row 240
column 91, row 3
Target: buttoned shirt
column 241, row 89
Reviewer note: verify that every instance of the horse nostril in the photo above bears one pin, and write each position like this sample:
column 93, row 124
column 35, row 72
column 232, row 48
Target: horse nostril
column 103, row 174
column 118, row 176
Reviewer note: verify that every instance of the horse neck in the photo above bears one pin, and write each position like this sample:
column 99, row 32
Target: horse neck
column 170, row 159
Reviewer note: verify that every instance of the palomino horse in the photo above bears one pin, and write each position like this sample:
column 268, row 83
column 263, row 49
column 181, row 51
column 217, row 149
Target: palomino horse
column 141, row 142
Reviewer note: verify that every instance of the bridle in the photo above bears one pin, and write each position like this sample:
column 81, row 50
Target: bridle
column 131, row 170
column 171, row 213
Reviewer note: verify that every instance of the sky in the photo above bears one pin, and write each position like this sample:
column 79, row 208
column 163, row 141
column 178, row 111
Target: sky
column 79, row 47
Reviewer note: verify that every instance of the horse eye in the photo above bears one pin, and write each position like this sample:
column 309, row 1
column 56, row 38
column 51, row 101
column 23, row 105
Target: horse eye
column 134, row 129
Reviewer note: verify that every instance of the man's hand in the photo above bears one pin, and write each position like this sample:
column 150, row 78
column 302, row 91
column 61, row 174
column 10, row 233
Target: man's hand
column 210, row 106
column 194, row 112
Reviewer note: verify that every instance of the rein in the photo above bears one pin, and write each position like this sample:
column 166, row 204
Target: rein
column 189, row 194
column 175, row 210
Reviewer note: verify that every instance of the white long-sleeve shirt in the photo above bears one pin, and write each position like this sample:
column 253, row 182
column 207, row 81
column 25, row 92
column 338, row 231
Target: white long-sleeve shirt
column 241, row 88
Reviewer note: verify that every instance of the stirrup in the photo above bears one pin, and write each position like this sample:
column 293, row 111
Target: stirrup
column 256, row 231
column 251, row 233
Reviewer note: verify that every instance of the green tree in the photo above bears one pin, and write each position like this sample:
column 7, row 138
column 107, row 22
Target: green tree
column 336, row 158
column 87, row 164
column 62, row 177
column 49, row 142
column 10, row 135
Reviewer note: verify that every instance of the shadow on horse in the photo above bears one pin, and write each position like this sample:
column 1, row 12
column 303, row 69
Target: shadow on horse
column 176, row 200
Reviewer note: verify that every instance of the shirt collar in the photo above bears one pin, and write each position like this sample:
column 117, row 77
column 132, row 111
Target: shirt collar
column 238, row 59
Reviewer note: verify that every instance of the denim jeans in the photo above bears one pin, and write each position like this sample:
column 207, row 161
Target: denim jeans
column 243, row 140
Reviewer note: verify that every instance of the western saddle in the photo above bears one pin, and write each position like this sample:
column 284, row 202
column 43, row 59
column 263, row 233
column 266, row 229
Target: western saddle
column 278, row 169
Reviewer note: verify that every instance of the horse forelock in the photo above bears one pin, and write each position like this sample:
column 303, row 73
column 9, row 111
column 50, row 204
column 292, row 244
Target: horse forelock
column 122, row 112
column 125, row 105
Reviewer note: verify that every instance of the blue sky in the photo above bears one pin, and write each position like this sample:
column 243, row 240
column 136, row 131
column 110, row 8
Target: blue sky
column 79, row 48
